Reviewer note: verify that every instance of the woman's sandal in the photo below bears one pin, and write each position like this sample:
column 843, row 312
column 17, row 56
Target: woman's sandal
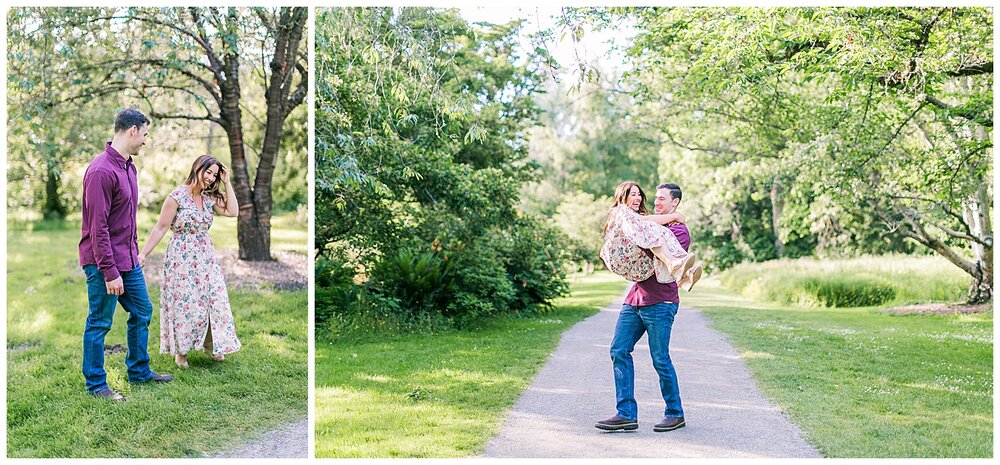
column 678, row 267
column 692, row 276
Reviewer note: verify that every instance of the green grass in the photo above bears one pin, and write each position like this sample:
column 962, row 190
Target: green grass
column 869, row 280
column 862, row 382
column 288, row 230
column 209, row 407
column 442, row 394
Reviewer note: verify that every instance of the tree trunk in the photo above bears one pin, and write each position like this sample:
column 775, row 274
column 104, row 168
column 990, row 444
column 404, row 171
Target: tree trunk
column 252, row 232
column 255, row 238
column 777, row 204
column 54, row 208
column 279, row 87
column 977, row 214
column 981, row 289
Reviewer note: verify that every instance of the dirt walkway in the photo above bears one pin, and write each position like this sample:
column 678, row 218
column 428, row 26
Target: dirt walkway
column 287, row 441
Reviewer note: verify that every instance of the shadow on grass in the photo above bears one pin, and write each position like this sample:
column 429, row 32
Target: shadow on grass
column 209, row 407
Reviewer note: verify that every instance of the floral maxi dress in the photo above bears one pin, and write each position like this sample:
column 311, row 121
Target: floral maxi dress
column 627, row 236
column 193, row 297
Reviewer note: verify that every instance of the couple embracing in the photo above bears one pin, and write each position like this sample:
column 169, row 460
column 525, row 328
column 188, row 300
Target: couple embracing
column 651, row 251
column 194, row 304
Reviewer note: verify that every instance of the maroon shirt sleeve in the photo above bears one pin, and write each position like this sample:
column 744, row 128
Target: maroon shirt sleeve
column 682, row 234
column 98, row 189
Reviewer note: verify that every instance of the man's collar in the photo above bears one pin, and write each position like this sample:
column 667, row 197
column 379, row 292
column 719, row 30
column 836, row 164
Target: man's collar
column 117, row 157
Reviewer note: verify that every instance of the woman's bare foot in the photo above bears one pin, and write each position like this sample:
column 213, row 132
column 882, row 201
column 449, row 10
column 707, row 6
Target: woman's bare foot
column 181, row 360
column 218, row 357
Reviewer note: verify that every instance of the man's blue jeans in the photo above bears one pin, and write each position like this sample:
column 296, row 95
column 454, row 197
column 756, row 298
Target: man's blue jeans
column 657, row 320
column 135, row 301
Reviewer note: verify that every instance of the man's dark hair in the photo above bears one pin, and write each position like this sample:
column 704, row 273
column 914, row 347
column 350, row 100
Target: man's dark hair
column 130, row 117
column 674, row 189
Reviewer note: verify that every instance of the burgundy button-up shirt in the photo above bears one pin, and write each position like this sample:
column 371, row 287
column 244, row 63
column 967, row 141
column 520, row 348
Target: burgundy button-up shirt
column 651, row 291
column 110, row 201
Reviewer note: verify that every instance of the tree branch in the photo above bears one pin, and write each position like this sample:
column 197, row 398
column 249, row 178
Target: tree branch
column 211, row 118
column 207, row 45
column 969, row 115
column 210, row 87
column 973, row 69
column 918, row 233
column 297, row 97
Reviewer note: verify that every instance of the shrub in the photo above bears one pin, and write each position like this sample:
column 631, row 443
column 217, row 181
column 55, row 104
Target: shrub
column 440, row 278
column 335, row 288
column 864, row 281
column 534, row 253
column 419, row 280
column 849, row 291
column 482, row 287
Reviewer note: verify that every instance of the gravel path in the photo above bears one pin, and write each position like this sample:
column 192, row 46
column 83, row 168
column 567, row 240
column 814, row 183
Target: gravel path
column 288, row 441
column 725, row 412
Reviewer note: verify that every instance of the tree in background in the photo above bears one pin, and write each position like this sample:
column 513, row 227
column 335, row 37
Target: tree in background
column 835, row 118
column 47, row 130
column 176, row 59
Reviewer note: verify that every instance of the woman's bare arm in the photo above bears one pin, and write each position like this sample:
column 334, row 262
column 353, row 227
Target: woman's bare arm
column 665, row 219
column 167, row 214
column 232, row 205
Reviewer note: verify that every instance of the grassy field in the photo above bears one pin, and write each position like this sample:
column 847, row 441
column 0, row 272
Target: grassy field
column 209, row 407
column 863, row 382
column 442, row 394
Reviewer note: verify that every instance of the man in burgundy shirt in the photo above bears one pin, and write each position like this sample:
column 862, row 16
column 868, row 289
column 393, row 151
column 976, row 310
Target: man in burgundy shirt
column 649, row 307
column 109, row 255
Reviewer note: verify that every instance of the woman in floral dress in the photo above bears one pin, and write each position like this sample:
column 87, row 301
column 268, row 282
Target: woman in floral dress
column 630, row 231
column 194, row 304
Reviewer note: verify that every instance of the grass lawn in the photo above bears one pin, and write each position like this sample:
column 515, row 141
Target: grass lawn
column 209, row 407
column 442, row 394
column 865, row 383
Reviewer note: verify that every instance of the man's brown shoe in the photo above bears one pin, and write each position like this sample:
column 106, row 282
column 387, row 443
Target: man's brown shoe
column 107, row 393
column 164, row 378
column 157, row 378
column 617, row 423
column 669, row 424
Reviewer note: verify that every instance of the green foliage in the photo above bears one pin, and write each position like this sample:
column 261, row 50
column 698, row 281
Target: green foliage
column 829, row 130
column 589, row 142
column 335, row 289
column 859, row 282
column 534, row 252
column 481, row 286
column 71, row 69
column 581, row 216
column 421, row 287
column 854, row 291
column 420, row 149
column 418, row 281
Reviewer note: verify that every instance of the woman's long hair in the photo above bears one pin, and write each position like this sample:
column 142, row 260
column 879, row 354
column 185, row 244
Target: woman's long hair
column 621, row 198
column 202, row 164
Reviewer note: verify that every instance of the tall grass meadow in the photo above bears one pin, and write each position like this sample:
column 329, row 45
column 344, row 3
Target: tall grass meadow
column 858, row 282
